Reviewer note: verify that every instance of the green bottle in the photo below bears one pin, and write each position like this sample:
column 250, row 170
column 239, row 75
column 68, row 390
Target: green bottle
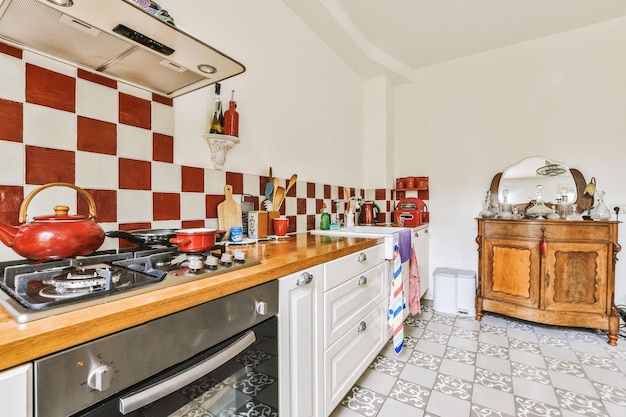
column 325, row 221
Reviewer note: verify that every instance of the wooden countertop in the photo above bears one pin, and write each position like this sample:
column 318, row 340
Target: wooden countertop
column 21, row 343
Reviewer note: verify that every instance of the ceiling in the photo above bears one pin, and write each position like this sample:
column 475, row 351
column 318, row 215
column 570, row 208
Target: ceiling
column 402, row 35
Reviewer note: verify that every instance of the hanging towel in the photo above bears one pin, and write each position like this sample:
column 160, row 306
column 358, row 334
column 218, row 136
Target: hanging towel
column 404, row 241
column 415, row 306
column 396, row 303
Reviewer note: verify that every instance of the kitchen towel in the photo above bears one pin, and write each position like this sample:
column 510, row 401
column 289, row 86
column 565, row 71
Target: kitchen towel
column 396, row 303
column 415, row 306
column 404, row 241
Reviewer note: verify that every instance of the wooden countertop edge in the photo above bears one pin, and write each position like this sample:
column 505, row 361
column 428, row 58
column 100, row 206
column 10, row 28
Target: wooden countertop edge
column 21, row 343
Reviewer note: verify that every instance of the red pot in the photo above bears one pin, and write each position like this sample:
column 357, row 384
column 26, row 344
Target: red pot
column 55, row 236
column 194, row 240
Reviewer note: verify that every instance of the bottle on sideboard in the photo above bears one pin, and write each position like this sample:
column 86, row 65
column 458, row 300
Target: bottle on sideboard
column 231, row 117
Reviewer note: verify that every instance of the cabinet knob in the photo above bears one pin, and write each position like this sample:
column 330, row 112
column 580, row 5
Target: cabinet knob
column 361, row 327
column 362, row 257
column 304, row 279
column 362, row 280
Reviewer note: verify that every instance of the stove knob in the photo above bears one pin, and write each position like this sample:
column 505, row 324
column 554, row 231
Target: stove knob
column 261, row 307
column 100, row 378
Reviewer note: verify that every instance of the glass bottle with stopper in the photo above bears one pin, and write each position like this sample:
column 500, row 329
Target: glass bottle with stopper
column 539, row 210
column 231, row 117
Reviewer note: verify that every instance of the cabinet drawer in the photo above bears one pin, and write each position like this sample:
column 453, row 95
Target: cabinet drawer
column 345, row 305
column 571, row 230
column 347, row 359
column 337, row 271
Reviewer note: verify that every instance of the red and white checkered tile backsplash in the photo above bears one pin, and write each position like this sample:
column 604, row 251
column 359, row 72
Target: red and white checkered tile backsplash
column 63, row 124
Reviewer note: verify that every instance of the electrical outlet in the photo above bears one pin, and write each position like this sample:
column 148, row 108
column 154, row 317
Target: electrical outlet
column 622, row 209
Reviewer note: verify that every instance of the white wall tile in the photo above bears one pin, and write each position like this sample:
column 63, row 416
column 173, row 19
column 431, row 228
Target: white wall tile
column 167, row 224
column 12, row 171
column 134, row 206
column 162, row 118
column 96, row 101
column 94, row 170
column 251, row 184
column 13, row 77
column 300, row 188
column 49, row 128
column 214, row 181
column 192, row 206
column 49, row 63
column 166, row 177
column 134, row 143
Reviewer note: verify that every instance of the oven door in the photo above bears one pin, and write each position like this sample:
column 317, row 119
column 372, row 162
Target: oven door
column 236, row 377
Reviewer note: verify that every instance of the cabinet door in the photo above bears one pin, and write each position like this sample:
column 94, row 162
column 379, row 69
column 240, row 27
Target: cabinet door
column 511, row 268
column 575, row 277
column 298, row 342
column 16, row 391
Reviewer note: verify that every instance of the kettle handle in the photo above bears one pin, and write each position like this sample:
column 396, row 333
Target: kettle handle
column 29, row 197
column 376, row 211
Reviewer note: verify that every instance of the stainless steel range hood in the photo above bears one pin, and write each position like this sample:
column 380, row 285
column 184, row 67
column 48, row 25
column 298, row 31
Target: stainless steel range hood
column 118, row 39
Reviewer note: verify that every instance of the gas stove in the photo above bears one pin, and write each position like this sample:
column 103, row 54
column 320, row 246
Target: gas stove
column 31, row 291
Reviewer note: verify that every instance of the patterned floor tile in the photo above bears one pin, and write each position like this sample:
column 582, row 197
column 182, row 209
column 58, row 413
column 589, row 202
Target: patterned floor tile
column 454, row 366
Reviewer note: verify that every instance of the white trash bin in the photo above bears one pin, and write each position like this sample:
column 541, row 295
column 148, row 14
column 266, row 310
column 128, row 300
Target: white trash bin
column 455, row 291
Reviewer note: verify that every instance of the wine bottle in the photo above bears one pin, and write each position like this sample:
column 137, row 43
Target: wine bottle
column 217, row 119
column 231, row 117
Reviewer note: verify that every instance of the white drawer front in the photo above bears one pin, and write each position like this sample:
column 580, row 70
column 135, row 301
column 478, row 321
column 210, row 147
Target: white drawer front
column 337, row 271
column 346, row 304
column 347, row 359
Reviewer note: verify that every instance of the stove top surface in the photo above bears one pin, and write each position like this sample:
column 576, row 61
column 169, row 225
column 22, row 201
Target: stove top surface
column 32, row 291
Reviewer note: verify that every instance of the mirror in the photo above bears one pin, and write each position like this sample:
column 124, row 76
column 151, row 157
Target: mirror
column 519, row 182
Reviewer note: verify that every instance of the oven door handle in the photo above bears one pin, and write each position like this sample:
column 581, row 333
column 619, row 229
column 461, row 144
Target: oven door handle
column 136, row 400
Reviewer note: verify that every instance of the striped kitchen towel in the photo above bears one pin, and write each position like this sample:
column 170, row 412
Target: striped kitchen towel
column 396, row 303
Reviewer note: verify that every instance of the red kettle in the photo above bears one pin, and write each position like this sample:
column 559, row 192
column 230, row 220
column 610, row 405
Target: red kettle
column 369, row 213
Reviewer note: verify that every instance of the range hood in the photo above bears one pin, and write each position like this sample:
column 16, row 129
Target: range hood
column 118, row 39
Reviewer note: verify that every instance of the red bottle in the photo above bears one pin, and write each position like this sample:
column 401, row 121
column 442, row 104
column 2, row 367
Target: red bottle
column 231, row 117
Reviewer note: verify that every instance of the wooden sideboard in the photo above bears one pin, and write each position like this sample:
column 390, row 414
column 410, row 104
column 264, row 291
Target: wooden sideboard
column 549, row 271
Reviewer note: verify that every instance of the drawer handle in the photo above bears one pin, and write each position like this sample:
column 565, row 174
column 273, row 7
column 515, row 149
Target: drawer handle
column 362, row 257
column 361, row 327
column 362, row 280
column 304, row 279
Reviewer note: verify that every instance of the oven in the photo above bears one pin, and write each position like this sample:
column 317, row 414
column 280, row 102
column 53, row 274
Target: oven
column 218, row 358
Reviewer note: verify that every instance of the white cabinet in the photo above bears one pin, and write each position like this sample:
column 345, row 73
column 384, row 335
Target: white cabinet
column 421, row 243
column 298, row 342
column 332, row 324
column 355, row 302
column 16, row 391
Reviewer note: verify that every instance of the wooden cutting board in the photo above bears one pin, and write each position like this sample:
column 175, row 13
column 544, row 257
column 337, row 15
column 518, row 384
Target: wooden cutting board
column 228, row 212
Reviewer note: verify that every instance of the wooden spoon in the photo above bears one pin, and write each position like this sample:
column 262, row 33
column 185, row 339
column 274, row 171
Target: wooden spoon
column 278, row 199
column 276, row 182
column 292, row 181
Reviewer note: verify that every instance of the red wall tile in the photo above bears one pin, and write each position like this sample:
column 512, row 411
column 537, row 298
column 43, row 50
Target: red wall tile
column 50, row 89
column 310, row 221
column 292, row 190
column 44, row 165
column 326, row 191
column 11, row 198
column 319, row 203
column 165, row 206
column 192, row 179
column 310, row 190
column 292, row 224
column 135, row 175
column 212, row 201
column 96, row 78
column 96, row 136
column 9, row 50
column 162, row 148
column 163, row 100
column 11, row 121
column 135, row 111
column 190, row 224
column 236, row 180
column 262, row 183
column 380, row 194
column 301, row 206
column 106, row 205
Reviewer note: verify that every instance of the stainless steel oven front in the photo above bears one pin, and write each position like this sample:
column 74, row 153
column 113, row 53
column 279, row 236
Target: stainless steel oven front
column 218, row 358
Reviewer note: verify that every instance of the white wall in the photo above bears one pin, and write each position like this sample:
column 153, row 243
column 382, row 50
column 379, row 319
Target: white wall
column 300, row 105
column 562, row 97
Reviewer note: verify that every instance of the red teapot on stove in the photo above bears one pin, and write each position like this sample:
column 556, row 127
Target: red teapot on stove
column 54, row 236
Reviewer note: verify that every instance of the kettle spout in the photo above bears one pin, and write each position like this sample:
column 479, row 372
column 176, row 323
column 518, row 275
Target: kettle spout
column 7, row 234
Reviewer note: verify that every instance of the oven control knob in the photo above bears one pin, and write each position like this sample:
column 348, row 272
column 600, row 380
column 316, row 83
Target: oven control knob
column 100, row 378
column 261, row 307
